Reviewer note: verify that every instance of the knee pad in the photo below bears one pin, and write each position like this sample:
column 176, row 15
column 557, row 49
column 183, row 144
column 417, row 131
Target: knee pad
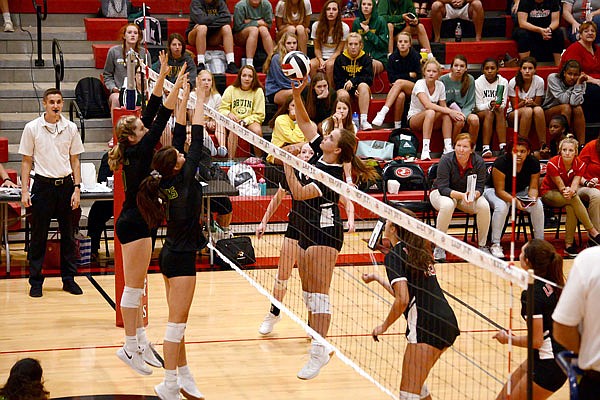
column 408, row 396
column 131, row 297
column 424, row 391
column 280, row 284
column 306, row 298
column 174, row 332
column 319, row 303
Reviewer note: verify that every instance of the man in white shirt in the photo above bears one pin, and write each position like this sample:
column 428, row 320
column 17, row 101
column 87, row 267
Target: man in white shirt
column 576, row 322
column 54, row 143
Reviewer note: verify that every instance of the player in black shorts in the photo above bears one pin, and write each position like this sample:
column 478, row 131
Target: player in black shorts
column 136, row 140
column 172, row 192
column 412, row 281
column 546, row 263
column 322, row 226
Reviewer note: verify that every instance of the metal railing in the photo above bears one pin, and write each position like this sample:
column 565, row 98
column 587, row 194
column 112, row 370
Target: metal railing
column 75, row 111
column 42, row 13
column 59, row 64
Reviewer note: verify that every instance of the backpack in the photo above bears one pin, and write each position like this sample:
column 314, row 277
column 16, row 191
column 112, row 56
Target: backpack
column 243, row 178
column 406, row 143
column 152, row 35
column 91, row 98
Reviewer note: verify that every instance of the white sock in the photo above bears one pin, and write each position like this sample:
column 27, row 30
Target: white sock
column 184, row 371
column 142, row 339
column 201, row 59
column 131, row 343
column 426, row 144
column 384, row 110
column 230, row 58
column 486, row 147
column 397, row 124
column 502, row 145
column 448, row 143
column 250, row 61
column 363, row 117
column 170, row 377
column 6, row 16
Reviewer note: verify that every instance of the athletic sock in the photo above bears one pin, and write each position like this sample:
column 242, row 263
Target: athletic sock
column 142, row 339
column 170, row 377
column 448, row 143
column 250, row 61
column 230, row 58
column 184, row 370
column 131, row 343
column 397, row 124
column 363, row 117
column 201, row 59
column 426, row 144
column 274, row 310
column 384, row 109
column 6, row 16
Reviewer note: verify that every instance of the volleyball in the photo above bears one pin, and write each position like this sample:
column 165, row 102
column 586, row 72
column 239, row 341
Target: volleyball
column 295, row 65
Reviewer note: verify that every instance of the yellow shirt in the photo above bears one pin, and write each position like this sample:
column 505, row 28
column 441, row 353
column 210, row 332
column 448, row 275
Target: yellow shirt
column 285, row 131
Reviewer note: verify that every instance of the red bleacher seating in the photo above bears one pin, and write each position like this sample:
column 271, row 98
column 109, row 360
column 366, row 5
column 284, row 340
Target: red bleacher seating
column 477, row 52
column 4, row 150
column 103, row 29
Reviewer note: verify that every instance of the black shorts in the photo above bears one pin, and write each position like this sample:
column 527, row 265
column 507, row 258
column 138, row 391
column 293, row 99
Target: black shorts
column 131, row 226
column 293, row 231
column 209, row 32
column 328, row 237
column 174, row 263
column 548, row 375
column 221, row 205
column 271, row 98
column 440, row 340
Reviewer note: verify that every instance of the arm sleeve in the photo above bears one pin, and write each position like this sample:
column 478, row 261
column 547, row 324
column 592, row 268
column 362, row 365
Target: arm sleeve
column 151, row 110
column 481, row 174
column 109, row 71
column 442, row 181
column 179, row 135
column 258, row 108
column 151, row 139
column 383, row 8
column 268, row 13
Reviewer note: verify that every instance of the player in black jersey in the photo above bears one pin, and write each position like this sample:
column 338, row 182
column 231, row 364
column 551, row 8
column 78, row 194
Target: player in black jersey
column 172, row 192
column 431, row 324
column 136, row 140
column 546, row 263
column 322, row 226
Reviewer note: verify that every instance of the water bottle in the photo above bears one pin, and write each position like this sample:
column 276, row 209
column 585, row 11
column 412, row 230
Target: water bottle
column 355, row 119
column 262, row 185
column 588, row 10
column 458, row 33
column 424, row 53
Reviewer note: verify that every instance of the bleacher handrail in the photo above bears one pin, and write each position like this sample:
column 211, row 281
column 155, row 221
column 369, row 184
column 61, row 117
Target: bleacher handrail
column 59, row 66
column 40, row 16
column 74, row 109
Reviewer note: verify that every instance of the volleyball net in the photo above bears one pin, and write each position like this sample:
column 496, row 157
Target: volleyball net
column 481, row 290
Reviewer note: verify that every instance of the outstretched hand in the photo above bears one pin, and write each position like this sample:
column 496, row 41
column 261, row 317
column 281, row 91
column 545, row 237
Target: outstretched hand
column 297, row 90
column 165, row 68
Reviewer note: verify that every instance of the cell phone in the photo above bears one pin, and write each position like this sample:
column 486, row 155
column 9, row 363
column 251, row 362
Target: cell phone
column 411, row 16
column 526, row 200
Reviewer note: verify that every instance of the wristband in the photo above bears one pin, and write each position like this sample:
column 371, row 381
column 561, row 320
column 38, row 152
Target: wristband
column 7, row 179
column 77, row 185
column 349, row 180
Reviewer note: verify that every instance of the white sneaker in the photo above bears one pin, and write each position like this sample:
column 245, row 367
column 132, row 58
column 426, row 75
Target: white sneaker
column 378, row 120
column 425, row 155
column 134, row 360
column 188, row 388
column 319, row 357
column 487, row 152
column 365, row 126
column 269, row 322
column 448, row 149
column 165, row 392
column 439, row 254
column 149, row 356
column 485, row 249
column 497, row 251
column 8, row 26
column 397, row 124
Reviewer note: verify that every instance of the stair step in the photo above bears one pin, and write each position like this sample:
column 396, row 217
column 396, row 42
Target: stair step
column 14, row 90
column 26, row 61
column 45, row 74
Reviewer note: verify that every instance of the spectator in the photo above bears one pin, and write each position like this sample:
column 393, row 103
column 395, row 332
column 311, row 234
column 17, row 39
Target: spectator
column 449, row 191
column 468, row 10
column 55, row 144
column 541, row 257
column 374, row 34
column 538, row 30
column 293, row 16
column 574, row 13
column 397, row 15
column 212, row 98
column 286, row 132
column 100, row 212
column 499, row 188
column 115, row 70
column 25, row 382
column 278, row 87
column 460, row 95
column 428, row 110
column 529, row 103
column 404, row 68
column 558, row 129
column 559, row 189
column 353, row 75
column 244, row 102
column 5, row 178
column 422, row 8
column 178, row 56
column 252, row 20
column 210, row 25
column 341, row 117
column 329, row 34
column 589, row 190
column 564, row 95
column 319, row 99
column 8, row 25
column 588, row 54
column 491, row 113
column 576, row 322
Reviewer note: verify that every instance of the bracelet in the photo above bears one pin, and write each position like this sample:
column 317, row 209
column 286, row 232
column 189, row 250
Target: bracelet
column 7, row 179
column 77, row 185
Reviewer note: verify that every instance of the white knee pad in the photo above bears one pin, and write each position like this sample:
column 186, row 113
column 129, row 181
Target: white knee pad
column 280, row 284
column 319, row 303
column 174, row 332
column 424, row 391
column 306, row 298
column 408, row 396
column 131, row 297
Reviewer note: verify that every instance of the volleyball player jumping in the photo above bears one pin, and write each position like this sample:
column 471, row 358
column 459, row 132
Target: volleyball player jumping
column 136, row 139
column 322, row 226
column 432, row 325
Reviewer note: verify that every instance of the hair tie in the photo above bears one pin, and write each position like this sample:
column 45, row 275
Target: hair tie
column 155, row 174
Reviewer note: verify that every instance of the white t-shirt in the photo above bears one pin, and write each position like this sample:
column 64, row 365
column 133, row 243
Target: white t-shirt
column 421, row 87
column 327, row 49
column 280, row 11
column 486, row 92
column 536, row 89
column 578, row 306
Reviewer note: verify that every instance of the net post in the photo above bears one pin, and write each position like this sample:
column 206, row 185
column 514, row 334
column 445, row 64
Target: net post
column 530, row 300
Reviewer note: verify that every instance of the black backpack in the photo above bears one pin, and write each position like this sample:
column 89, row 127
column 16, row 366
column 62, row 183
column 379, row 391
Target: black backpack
column 406, row 143
column 91, row 98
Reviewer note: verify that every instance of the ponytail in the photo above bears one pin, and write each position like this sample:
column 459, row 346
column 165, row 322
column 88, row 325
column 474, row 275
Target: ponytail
column 348, row 144
column 124, row 129
column 150, row 200
column 546, row 262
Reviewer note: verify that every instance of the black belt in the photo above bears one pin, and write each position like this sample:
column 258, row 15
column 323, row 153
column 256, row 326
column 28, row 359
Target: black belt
column 53, row 181
column 592, row 375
